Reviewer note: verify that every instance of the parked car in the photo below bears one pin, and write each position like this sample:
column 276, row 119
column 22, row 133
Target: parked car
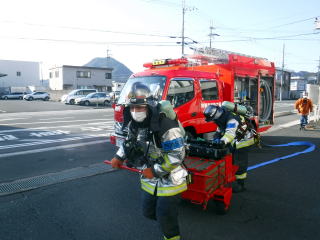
column 14, row 95
column 78, row 93
column 37, row 95
column 94, row 98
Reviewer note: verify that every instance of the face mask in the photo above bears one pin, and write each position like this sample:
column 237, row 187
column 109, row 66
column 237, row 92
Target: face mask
column 139, row 116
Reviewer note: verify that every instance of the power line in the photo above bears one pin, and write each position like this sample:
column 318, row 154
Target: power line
column 93, row 29
column 95, row 42
column 291, row 23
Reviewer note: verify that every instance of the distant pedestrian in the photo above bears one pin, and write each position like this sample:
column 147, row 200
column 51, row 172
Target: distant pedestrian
column 304, row 106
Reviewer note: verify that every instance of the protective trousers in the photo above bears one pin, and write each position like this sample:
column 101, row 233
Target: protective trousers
column 165, row 211
column 240, row 158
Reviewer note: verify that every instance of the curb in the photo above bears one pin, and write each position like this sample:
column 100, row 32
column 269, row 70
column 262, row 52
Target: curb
column 281, row 114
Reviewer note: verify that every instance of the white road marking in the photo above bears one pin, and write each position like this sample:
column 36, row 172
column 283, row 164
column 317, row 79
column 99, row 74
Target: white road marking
column 52, row 148
column 23, row 123
column 51, row 141
column 10, row 119
column 104, row 123
column 55, row 118
column 286, row 125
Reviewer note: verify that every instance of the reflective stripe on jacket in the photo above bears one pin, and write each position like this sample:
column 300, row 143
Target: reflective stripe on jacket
column 229, row 133
column 163, row 160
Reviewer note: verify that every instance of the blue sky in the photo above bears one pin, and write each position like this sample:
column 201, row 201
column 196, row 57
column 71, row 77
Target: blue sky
column 138, row 31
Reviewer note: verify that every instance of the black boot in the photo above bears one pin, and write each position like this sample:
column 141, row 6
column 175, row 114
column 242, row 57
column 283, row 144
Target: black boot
column 238, row 186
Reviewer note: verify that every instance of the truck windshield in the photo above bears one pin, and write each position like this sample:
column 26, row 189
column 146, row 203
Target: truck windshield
column 155, row 84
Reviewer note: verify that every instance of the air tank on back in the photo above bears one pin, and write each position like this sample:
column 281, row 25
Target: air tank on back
column 234, row 107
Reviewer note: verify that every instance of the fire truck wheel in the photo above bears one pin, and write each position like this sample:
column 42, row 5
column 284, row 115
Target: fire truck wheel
column 221, row 208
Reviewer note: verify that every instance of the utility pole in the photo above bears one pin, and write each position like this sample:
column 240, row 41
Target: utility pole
column 184, row 9
column 282, row 72
column 318, row 75
column 211, row 35
column 182, row 34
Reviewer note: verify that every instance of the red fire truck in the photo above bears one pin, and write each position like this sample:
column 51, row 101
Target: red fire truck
column 194, row 82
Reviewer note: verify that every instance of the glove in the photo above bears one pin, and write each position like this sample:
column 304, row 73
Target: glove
column 116, row 163
column 147, row 173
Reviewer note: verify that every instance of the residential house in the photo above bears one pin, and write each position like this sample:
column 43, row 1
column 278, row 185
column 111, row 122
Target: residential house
column 68, row 77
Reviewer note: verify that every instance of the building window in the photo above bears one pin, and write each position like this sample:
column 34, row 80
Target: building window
column 18, row 74
column 50, row 74
column 108, row 75
column 83, row 74
column 56, row 74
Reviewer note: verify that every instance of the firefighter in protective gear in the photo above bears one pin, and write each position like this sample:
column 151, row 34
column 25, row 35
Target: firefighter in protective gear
column 233, row 131
column 163, row 147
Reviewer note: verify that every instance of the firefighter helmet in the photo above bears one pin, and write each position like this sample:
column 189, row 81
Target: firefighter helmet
column 139, row 94
column 212, row 112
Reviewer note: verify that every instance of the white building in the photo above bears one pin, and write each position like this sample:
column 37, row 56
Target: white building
column 19, row 74
column 80, row 77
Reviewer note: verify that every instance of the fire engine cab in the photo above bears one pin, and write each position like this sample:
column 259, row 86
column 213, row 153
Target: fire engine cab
column 199, row 80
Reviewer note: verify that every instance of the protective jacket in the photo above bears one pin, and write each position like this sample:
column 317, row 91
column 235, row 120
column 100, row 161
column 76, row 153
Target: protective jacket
column 233, row 129
column 164, row 151
column 304, row 106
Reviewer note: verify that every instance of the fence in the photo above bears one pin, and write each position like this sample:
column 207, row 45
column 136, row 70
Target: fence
column 314, row 94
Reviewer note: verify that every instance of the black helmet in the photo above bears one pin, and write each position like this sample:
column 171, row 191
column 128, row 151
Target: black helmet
column 212, row 112
column 139, row 94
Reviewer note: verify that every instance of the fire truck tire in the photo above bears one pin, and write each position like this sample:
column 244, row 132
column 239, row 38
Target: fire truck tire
column 221, row 208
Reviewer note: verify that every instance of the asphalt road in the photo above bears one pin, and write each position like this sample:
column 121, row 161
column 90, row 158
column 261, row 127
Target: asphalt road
column 282, row 200
column 17, row 106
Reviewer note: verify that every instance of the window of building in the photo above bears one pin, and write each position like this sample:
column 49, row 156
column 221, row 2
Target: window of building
column 18, row 74
column 56, row 74
column 180, row 91
column 83, row 74
column 108, row 75
column 50, row 74
column 209, row 90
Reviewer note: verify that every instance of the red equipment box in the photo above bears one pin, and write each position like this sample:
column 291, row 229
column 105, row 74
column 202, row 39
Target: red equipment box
column 210, row 179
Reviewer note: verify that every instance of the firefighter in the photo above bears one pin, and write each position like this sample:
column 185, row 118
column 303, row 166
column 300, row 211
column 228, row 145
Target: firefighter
column 163, row 177
column 234, row 132
column 304, row 106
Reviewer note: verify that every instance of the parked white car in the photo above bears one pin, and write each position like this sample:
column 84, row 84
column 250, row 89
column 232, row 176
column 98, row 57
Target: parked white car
column 36, row 96
column 78, row 93
column 93, row 99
